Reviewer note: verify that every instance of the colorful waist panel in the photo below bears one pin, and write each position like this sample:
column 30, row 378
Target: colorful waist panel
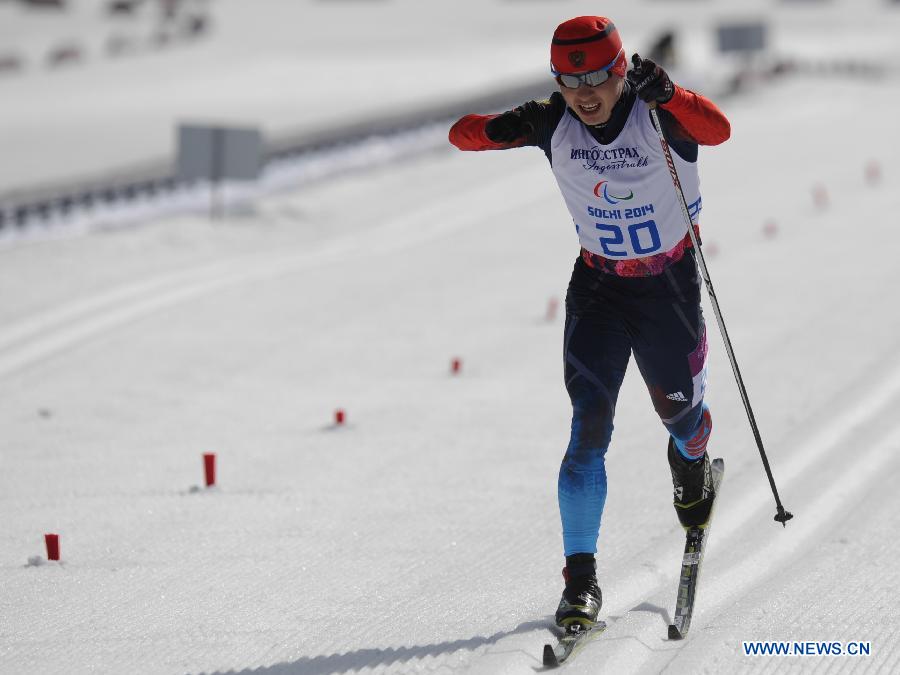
column 640, row 267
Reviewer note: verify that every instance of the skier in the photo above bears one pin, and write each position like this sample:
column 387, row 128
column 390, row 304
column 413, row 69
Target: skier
column 635, row 285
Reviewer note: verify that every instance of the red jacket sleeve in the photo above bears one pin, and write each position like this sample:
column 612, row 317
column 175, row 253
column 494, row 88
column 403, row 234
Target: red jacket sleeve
column 468, row 134
column 700, row 118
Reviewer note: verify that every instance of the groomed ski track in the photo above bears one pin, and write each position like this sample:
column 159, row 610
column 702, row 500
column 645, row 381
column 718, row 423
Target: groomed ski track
column 424, row 537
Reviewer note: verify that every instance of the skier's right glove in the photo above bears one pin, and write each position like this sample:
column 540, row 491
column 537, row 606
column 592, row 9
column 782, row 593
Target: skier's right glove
column 507, row 128
column 651, row 82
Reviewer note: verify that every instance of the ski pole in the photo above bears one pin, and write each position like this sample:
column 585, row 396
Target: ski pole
column 781, row 516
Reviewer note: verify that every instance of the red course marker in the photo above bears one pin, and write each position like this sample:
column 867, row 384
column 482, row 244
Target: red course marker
column 456, row 366
column 820, row 196
column 770, row 229
column 52, row 541
column 552, row 307
column 873, row 172
column 339, row 416
column 209, row 468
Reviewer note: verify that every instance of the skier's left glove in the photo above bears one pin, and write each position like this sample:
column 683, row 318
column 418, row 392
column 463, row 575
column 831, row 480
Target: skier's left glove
column 650, row 81
column 507, row 128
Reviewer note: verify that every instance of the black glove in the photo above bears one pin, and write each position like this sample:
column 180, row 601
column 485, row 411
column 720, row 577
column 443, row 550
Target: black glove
column 650, row 81
column 506, row 128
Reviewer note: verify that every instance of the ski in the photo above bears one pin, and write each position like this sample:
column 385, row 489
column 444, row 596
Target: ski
column 575, row 637
column 694, row 545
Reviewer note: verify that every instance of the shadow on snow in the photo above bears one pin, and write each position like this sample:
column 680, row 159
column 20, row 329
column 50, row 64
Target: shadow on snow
column 371, row 657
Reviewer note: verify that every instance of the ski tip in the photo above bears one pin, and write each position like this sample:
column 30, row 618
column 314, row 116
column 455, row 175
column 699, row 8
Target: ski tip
column 550, row 657
column 674, row 633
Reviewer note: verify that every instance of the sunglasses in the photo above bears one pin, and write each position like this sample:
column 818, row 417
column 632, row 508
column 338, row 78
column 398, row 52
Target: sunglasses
column 591, row 79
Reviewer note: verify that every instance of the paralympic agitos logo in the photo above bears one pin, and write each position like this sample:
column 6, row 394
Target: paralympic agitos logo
column 601, row 190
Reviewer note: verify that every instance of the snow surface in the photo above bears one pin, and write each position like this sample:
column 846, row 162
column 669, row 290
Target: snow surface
column 423, row 536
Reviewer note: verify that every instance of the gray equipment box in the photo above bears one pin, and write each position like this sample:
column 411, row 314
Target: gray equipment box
column 748, row 36
column 218, row 153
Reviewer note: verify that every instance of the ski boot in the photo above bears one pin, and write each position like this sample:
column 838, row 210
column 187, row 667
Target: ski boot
column 694, row 491
column 581, row 599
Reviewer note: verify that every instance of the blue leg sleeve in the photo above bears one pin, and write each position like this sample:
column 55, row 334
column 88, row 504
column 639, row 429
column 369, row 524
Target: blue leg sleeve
column 582, row 494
